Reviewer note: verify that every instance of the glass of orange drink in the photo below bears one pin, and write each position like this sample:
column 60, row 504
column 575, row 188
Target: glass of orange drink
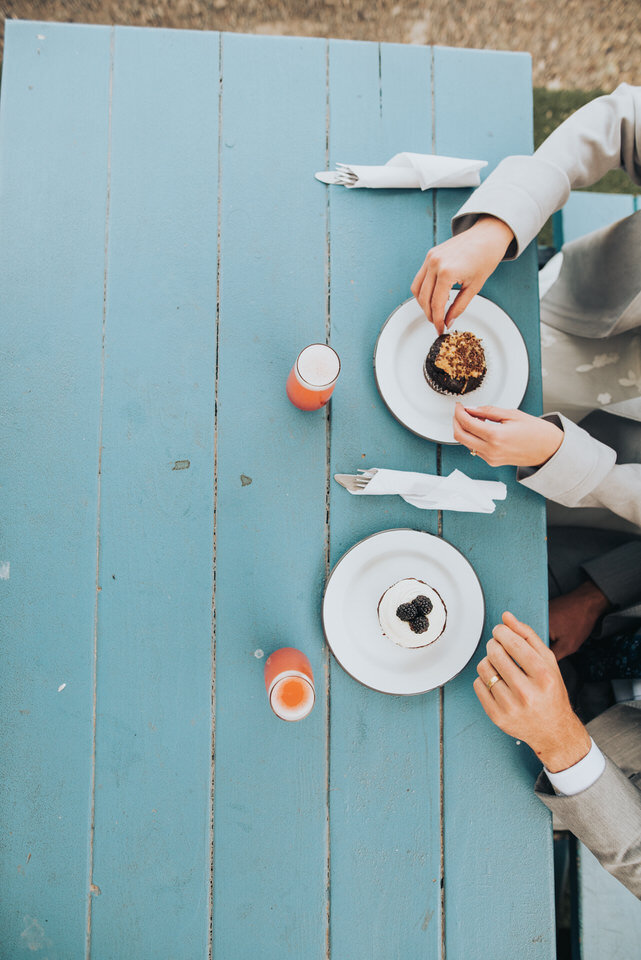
column 313, row 377
column 290, row 683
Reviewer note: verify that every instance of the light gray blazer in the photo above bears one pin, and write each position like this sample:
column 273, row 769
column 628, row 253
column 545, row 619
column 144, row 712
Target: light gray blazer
column 607, row 816
column 598, row 293
column 524, row 191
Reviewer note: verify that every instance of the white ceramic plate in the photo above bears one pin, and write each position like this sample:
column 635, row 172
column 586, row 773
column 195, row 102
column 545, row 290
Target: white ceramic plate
column 400, row 352
column 350, row 618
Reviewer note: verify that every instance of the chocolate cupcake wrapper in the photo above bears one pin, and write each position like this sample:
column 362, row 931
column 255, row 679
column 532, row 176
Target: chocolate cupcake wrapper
column 448, row 393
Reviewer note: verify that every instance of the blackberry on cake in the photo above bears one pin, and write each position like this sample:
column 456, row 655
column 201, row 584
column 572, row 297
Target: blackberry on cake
column 455, row 363
column 403, row 613
column 407, row 612
column 423, row 604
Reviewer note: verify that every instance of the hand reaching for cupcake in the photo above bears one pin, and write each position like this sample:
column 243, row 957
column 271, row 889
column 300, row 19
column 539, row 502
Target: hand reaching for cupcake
column 506, row 436
column 468, row 259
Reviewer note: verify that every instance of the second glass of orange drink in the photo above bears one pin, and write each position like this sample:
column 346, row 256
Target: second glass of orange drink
column 290, row 683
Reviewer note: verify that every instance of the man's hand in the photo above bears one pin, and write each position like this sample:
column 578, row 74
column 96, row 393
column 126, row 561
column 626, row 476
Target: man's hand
column 506, row 436
column 468, row 259
column 573, row 617
column 530, row 701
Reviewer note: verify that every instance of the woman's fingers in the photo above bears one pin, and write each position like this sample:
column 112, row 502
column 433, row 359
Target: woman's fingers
column 417, row 282
column 423, row 290
column 468, row 440
column 473, row 425
column 458, row 305
column 497, row 414
column 440, row 295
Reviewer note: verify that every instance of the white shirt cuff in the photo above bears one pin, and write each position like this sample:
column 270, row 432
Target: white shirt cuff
column 581, row 775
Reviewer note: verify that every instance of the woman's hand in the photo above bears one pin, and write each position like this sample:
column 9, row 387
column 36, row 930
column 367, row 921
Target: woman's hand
column 468, row 259
column 506, row 436
column 529, row 701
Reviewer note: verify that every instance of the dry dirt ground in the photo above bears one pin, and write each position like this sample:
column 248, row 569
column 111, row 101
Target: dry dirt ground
column 575, row 44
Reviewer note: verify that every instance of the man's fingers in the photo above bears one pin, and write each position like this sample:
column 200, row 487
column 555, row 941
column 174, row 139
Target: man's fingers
column 520, row 651
column 459, row 304
column 525, row 631
column 487, row 700
column 561, row 649
column 503, row 664
column 500, row 690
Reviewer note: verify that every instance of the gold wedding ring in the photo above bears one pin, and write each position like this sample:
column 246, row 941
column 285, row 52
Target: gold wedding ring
column 490, row 683
column 473, row 452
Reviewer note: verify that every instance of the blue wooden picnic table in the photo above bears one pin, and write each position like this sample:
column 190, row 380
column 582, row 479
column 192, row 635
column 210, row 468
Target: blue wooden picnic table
column 168, row 516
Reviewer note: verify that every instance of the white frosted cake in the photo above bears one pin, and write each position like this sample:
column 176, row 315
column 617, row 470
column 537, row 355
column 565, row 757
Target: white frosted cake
column 411, row 613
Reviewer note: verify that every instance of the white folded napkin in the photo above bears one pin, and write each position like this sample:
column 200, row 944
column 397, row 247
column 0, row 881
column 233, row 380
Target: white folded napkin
column 428, row 492
column 424, row 170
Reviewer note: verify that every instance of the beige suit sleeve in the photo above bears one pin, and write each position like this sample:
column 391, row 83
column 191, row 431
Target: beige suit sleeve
column 584, row 473
column 607, row 819
column 603, row 135
column 606, row 816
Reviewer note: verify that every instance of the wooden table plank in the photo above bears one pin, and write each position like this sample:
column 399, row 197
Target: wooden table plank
column 270, row 870
column 384, row 794
column 498, row 851
column 282, row 831
column 53, row 169
column 153, row 738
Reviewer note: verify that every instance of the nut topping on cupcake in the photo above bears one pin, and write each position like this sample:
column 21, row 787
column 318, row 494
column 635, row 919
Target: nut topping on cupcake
column 455, row 363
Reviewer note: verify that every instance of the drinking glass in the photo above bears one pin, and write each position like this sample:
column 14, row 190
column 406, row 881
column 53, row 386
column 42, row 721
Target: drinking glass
column 312, row 378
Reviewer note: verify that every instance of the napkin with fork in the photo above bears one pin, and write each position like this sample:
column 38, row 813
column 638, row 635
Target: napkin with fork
column 424, row 170
column 427, row 491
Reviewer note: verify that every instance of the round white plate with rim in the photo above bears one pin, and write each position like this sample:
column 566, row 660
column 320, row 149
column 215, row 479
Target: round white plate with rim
column 400, row 352
column 350, row 605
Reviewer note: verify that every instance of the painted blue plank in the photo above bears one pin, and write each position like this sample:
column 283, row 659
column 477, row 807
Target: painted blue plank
column 151, row 861
column 585, row 212
column 53, row 166
column 270, row 841
column 498, row 851
column 384, row 784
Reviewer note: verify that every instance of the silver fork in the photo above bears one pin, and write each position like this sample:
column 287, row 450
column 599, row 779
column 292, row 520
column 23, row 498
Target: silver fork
column 346, row 176
column 354, row 482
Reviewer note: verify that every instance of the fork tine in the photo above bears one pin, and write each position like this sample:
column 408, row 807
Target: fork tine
column 352, row 483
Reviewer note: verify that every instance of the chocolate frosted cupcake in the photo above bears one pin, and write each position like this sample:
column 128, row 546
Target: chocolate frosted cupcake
column 455, row 363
